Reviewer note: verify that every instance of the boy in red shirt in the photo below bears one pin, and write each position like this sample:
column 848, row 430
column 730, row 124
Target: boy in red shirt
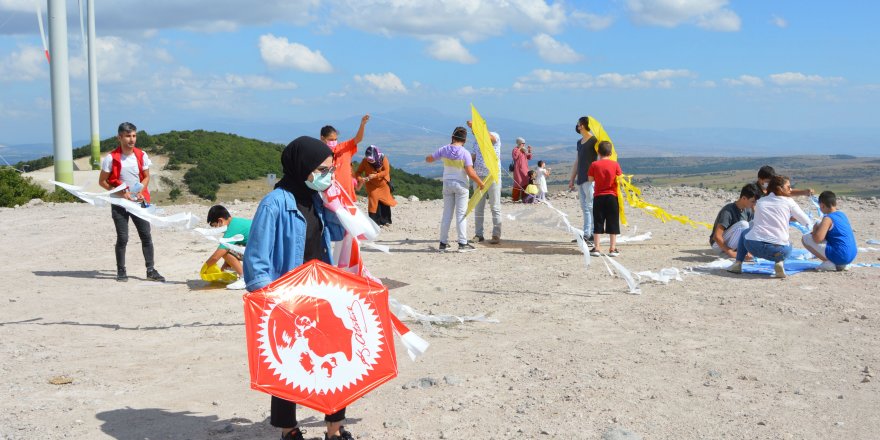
column 606, row 211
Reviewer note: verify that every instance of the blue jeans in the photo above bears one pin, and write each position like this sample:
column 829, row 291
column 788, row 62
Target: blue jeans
column 585, row 192
column 762, row 249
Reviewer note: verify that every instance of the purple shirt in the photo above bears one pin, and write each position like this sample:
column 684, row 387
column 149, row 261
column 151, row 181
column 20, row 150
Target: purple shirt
column 455, row 158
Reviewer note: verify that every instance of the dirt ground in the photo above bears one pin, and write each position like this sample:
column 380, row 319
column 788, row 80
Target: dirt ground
column 572, row 356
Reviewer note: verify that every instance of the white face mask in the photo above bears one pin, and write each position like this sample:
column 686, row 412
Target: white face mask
column 320, row 182
column 332, row 144
column 765, row 185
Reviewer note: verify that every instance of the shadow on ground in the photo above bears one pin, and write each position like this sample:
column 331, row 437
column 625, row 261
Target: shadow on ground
column 156, row 423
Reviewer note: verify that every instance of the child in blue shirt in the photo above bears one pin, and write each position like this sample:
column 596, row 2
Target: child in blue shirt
column 832, row 239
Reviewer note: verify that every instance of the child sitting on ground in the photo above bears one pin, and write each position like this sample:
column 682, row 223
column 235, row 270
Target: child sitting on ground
column 531, row 189
column 606, row 211
column 219, row 217
column 832, row 239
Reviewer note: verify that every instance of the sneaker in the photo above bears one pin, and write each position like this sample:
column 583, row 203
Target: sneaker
column 121, row 276
column 778, row 270
column 495, row 240
column 466, row 247
column 827, row 265
column 443, row 247
column 736, row 267
column 153, row 275
column 613, row 253
column 343, row 435
column 595, row 253
column 843, row 267
column 236, row 285
column 296, row 434
column 479, row 238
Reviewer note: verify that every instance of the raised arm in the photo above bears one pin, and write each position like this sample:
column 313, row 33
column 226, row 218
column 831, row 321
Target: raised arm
column 360, row 133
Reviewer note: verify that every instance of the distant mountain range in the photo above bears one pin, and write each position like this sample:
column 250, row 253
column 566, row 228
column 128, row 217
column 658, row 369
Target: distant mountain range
column 407, row 135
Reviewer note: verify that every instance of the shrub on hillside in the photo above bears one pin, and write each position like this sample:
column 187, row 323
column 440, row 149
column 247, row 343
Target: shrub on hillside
column 16, row 189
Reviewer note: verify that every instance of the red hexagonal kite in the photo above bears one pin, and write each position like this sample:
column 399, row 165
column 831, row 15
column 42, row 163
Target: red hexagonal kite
column 319, row 336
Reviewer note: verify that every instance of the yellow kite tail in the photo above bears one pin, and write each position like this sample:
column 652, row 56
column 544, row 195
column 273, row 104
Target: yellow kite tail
column 634, row 199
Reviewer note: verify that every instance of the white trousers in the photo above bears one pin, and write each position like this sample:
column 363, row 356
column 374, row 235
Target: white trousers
column 455, row 199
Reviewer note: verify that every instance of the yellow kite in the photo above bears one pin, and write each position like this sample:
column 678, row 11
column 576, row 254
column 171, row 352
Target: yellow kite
column 601, row 136
column 481, row 133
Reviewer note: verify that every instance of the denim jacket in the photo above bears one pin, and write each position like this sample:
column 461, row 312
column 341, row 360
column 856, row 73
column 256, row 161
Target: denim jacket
column 277, row 239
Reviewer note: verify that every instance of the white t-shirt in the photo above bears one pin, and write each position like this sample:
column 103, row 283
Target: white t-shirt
column 129, row 173
column 772, row 214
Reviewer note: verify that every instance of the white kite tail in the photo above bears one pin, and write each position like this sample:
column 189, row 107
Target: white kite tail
column 347, row 256
column 183, row 220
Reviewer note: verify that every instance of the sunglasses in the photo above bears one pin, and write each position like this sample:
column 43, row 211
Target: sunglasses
column 325, row 170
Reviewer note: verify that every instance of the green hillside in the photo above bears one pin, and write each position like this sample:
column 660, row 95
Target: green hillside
column 213, row 158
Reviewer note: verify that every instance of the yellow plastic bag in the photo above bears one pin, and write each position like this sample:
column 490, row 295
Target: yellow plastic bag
column 214, row 274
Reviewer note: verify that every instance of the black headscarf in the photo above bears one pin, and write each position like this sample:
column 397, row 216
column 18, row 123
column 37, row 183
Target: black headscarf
column 299, row 159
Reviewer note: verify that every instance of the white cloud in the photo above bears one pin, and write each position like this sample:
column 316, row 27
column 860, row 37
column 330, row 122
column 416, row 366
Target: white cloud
column 540, row 79
column 278, row 52
column 707, row 14
column 117, row 59
column 708, row 84
column 590, row 21
column 450, row 49
column 255, row 82
column 795, row 79
column 744, row 80
column 553, row 51
column 381, row 82
column 469, row 20
column 26, row 64
column 185, row 89
column 779, row 22
column 470, row 90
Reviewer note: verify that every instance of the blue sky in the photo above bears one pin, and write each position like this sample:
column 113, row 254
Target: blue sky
column 170, row 64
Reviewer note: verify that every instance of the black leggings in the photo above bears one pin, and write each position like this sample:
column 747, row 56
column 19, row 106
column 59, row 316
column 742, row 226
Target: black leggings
column 283, row 414
column 120, row 219
column 382, row 216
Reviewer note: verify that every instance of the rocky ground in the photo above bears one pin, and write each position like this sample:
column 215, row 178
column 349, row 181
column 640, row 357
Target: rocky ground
column 573, row 355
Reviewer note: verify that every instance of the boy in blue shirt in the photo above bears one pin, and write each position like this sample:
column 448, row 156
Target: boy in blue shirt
column 832, row 239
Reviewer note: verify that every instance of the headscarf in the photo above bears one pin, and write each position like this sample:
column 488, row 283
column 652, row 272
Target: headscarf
column 374, row 156
column 299, row 159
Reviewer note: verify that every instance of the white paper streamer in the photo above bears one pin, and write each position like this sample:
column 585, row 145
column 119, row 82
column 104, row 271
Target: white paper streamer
column 404, row 312
column 183, row 220
column 665, row 275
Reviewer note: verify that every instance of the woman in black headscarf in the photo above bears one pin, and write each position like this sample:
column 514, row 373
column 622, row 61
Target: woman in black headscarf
column 375, row 171
column 290, row 228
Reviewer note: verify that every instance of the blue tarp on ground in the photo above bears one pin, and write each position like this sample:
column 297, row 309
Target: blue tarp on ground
column 795, row 263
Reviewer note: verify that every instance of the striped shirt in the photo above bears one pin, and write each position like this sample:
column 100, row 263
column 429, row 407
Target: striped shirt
column 455, row 158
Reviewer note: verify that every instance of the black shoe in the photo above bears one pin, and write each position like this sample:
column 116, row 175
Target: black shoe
column 343, row 435
column 444, row 247
column 153, row 275
column 296, row 434
column 121, row 276
column 479, row 238
column 466, row 247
